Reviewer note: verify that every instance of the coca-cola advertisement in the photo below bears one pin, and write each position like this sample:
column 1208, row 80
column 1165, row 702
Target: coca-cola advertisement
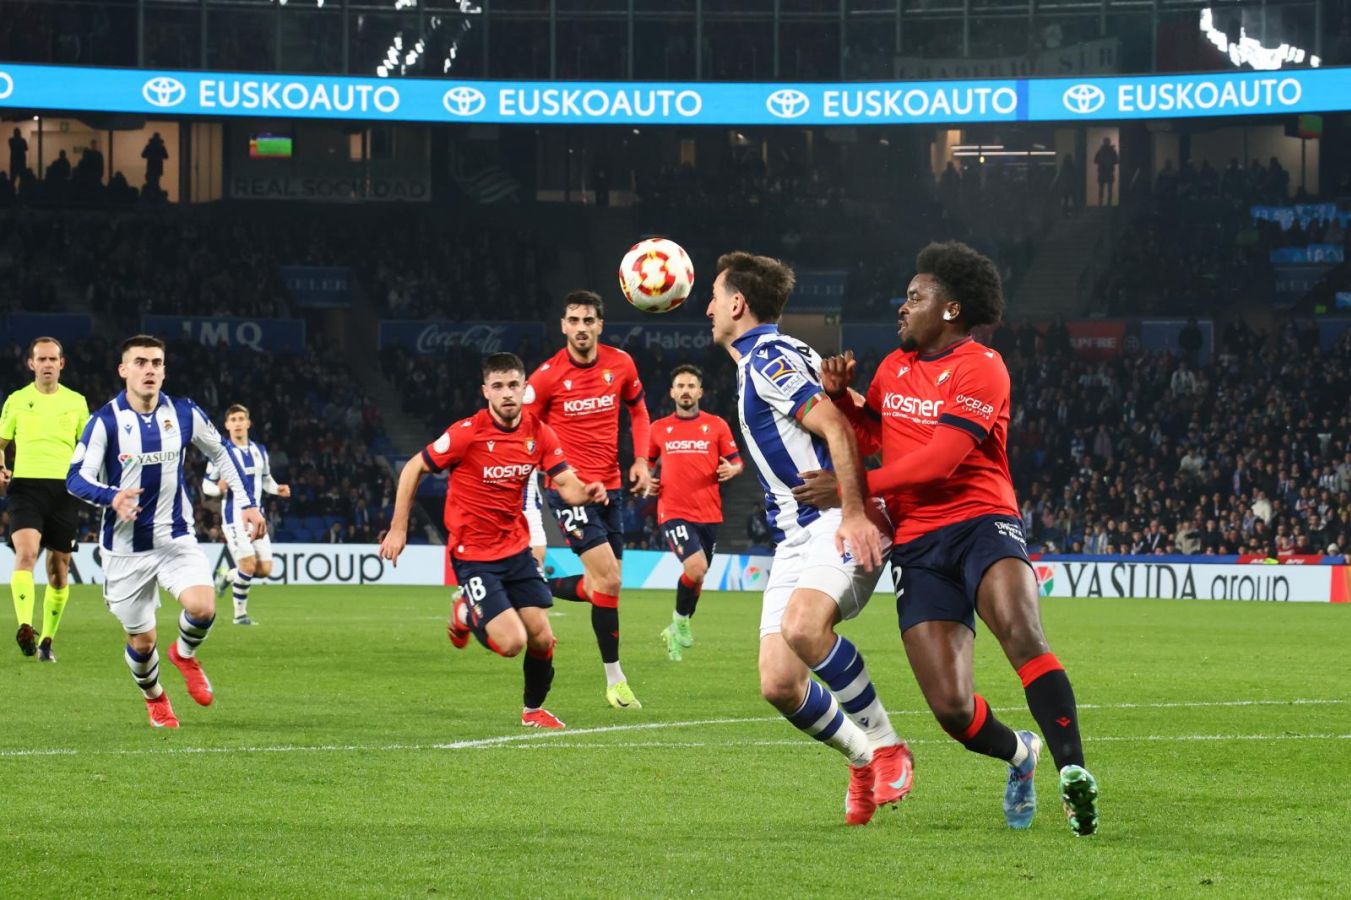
column 425, row 337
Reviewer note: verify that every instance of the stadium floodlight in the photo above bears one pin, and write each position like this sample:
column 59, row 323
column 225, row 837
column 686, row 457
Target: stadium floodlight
column 1249, row 51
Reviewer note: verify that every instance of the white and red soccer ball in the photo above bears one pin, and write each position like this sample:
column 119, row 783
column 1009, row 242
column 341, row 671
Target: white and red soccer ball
column 656, row 275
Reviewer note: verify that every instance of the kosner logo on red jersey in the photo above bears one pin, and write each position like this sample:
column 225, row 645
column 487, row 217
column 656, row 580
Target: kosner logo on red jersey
column 589, row 404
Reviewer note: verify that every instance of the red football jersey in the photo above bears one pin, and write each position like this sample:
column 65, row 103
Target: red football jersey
column 965, row 386
column 580, row 401
column 689, row 449
column 489, row 469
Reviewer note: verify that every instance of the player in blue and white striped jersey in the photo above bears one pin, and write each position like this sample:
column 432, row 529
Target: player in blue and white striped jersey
column 827, row 561
column 252, row 554
column 130, row 459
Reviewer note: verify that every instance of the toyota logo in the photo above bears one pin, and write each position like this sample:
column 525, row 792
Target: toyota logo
column 787, row 103
column 464, row 101
column 6, row 85
column 1084, row 98
column 164, row 91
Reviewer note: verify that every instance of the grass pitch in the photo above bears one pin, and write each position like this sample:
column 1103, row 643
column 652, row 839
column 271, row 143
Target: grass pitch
column 352, row 752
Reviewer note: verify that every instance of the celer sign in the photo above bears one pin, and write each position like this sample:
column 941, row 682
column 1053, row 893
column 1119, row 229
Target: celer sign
column 990, row 99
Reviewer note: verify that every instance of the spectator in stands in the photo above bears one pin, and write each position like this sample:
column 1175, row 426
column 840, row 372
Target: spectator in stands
column 18, row 154
column 1106, row 160
column 154, row 155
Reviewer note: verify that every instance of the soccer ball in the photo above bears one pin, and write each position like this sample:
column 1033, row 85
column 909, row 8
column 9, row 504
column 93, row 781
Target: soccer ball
column 656, row 275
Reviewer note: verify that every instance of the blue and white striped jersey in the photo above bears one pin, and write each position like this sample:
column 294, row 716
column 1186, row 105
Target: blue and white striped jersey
column 256, row 467
column 121, row 448
column 776, row 377
column 532, row 499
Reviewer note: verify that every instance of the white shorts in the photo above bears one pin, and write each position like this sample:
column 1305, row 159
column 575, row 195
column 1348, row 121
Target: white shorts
column 242, row 545
column 811, row 561
column 534, row 512
column 131, row 582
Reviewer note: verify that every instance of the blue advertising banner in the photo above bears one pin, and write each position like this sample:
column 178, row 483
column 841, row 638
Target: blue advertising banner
column 183, row 93
column 260, row 335
column 438, row 337
column 319, row 287
column 669, row 337
column 1304, row 213
column 1162, row 334
column 21, row 328
column 819, row 290
column 865, row 338
column 1313, row 253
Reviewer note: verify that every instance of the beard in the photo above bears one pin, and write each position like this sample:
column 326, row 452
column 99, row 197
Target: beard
column 909, row 344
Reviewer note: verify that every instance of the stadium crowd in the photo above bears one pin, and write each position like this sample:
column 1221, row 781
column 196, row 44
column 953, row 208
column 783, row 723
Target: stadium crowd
column 1145, row 454
column 322, row 433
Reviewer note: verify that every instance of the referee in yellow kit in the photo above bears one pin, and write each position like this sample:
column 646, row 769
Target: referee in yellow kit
column 44, row 421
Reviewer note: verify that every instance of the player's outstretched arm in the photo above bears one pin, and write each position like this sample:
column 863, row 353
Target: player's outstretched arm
column 727, row 470
column 934, row 462
column 857, row 528
column 576, row 493
column 396, row 538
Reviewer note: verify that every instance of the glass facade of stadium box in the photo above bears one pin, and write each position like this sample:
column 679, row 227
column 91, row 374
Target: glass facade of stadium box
column 680, row 40
column 97, row 158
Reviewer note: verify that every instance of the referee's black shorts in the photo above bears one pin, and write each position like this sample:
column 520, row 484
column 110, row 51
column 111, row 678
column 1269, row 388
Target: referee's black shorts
column 44, row 504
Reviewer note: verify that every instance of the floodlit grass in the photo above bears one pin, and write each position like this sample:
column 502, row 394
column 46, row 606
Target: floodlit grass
column 352, row 751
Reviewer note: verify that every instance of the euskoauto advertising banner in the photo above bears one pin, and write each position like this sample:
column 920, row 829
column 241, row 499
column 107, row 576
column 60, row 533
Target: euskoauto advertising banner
column 438, row 337
column 261, row 335
column 184, row 93
column 423, row 564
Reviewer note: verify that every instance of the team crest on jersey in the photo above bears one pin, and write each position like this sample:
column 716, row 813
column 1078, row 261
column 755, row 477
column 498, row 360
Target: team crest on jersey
column 567, row 384
column 947, row 373
column 704, row 429
column 168, row 424
column 529, row 445
column 901, row 371
column 608, row 376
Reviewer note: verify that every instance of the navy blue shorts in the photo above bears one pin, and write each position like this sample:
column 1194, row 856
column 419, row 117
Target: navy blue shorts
column 687, row 538
column 937, row 575
column 591, row 525
column 495, row 586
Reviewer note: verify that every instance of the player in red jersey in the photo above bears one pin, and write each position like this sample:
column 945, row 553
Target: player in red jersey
column 696, row 453
column 578, row 392
column 939, row 410
column 491, row 455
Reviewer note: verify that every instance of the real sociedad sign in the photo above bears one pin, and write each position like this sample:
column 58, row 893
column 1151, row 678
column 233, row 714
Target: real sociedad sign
column 182, row 93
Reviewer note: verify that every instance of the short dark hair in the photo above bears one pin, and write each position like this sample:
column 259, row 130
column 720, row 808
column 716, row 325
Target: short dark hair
column 688, row 369
column 236, row 408
column 502, row 362
column 141, row 340
column 968, row 277
column 585, row 298
column 45, row 340
column 765, row 282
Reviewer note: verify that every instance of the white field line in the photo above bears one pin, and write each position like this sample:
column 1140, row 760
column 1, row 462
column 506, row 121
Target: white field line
column 532, row 736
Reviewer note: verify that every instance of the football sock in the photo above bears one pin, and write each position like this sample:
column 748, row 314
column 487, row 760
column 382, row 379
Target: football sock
column 820, row 716
column 614, row 673
column 988, row 735
column 1051, row 700
column 53, row 605
column 605, row 622
column 242, row 583
column 844, row 672
column 191, row 633
column 687, row 596
column 21, row 588
column 539, row 675
column 145, row 671
column 570, row 588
